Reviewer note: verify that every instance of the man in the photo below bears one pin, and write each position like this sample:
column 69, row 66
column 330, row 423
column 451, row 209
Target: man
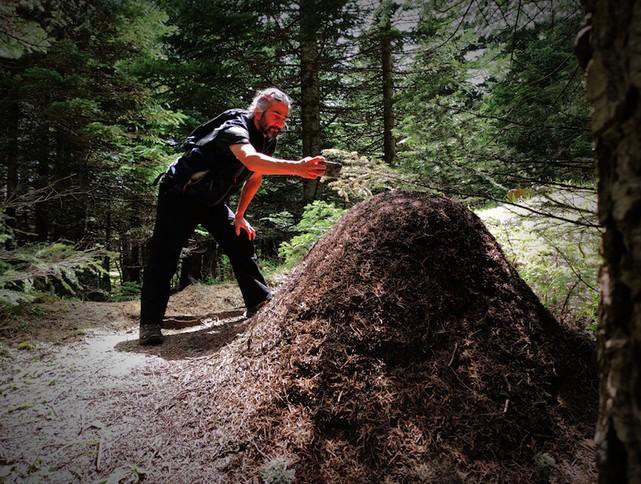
column 195, row 190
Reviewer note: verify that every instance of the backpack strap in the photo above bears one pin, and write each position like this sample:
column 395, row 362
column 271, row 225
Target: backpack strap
column 206, row 132
column 157, row 179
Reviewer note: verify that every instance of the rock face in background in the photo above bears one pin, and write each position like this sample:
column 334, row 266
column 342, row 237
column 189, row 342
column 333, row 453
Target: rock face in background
column 405, row 347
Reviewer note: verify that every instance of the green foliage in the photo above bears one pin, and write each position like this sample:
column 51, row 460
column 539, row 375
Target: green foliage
column 361, row 177
column 317, row 219
column 26, row 345
column 213, row 40
column 545, row 467
column 225, row 272
column 557, row 258
column 494, row 100
column 276, row 471
column 280, row 221
column 87, row 120
column 30, row 268
column 20, row 34
column 41, row 264
column 38, row 310
column 127, row 291
column 539, row 109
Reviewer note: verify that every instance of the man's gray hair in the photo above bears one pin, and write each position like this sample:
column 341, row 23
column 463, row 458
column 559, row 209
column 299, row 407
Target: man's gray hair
column 266, row 97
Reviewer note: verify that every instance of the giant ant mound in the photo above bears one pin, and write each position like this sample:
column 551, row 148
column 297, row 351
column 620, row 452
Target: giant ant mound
column 405, row 348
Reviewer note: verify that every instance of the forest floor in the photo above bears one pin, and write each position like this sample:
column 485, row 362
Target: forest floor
column 354, row 373
column 76, row 382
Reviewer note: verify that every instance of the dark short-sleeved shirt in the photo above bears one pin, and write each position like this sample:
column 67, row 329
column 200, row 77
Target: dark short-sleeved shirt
column 239, row 130
column 225, row 174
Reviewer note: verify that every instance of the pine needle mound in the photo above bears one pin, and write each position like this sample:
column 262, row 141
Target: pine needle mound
column 404, row 348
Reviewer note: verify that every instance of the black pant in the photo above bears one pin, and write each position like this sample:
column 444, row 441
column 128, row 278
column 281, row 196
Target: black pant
column 177, row 217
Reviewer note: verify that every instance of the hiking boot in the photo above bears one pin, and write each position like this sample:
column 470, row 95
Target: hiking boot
column 251, row 312
column 150, row 334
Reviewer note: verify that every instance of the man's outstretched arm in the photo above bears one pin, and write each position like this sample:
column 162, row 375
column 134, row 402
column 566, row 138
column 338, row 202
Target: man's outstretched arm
column 267, row 165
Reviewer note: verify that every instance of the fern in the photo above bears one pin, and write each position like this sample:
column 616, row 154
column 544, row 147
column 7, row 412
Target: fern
column 25, row 267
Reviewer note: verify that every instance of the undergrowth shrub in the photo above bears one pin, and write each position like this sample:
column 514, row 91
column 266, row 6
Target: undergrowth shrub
column 557, row 258
column 127, row 291
column 276, row 471
column 29, row 270
column 318, row 218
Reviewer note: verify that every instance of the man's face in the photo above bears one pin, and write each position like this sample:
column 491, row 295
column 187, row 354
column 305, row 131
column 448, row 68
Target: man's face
column 271, row 122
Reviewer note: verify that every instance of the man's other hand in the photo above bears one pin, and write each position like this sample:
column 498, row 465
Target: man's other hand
column 240, row 223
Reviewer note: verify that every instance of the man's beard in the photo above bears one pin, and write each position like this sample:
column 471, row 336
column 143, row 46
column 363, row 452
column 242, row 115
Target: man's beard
column 269, row 131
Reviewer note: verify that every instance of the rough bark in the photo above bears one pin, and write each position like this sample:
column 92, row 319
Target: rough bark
column 130, row 264
column 387, row 63
column 614, row 88
column 310, row 88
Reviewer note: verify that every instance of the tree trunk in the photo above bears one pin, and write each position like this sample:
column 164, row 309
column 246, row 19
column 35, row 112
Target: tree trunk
column 105, row 278
column 387, row 63
column 43, row 179
column 61, row 225
column 191, row 269
column 310, row 88
column 197, row 264
column 12, row 119
column 614, row 88
column 130, row 265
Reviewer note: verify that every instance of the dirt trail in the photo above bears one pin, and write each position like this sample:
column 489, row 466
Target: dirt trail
column 83, row 385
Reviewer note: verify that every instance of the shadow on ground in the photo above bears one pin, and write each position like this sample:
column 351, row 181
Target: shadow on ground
column 202, row 340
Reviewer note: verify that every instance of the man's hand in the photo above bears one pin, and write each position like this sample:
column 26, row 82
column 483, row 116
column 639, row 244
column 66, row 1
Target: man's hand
column 241, row 224
column 310, row 167
column 262, row 164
